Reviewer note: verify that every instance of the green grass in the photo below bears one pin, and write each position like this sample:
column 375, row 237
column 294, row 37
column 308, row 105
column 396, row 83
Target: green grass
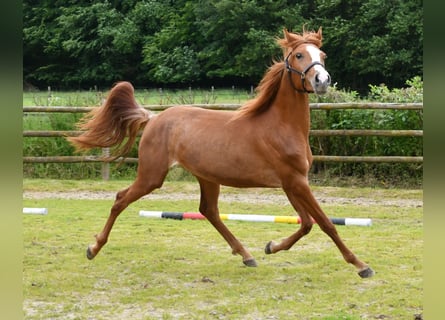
column 168, row 269
column 143, row 97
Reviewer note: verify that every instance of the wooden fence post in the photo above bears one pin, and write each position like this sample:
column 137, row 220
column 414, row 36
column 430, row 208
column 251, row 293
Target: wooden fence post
column 106, row 165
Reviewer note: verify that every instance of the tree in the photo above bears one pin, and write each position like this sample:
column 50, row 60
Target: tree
column 372, row 41
column 75, row 44
column 239, row 37
column 80, row 45
column 170, row 54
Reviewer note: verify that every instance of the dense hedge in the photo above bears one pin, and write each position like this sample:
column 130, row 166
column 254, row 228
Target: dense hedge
column 80, row 44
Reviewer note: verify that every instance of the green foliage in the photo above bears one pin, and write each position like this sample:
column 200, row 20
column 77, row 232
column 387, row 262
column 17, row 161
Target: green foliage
column 238, row 38
column 336, row 95
column 372, row 145
column 372, row 41
column 412, row 93
column 79, row 44
column 178, row 65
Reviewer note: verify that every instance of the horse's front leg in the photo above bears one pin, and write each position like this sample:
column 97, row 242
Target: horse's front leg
column 304, row 202
column 305, row 226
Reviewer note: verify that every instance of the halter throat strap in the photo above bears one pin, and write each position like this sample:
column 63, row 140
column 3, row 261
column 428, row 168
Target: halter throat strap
column 302, row 74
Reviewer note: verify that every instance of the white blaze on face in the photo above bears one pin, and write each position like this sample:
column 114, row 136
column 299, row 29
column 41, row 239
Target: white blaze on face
column 315, row 54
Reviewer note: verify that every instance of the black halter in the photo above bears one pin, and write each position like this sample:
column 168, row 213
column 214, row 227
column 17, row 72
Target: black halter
column 301, row 73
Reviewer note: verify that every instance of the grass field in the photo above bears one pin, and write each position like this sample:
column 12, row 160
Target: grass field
column 143, row 97
column 168, row 269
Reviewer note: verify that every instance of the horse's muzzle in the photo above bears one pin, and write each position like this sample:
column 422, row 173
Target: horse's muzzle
column 321, row 82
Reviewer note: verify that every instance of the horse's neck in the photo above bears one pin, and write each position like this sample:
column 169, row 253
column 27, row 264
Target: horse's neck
column 293, row 108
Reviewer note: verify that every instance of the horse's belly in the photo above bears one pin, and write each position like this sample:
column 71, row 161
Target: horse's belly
column 231, row 169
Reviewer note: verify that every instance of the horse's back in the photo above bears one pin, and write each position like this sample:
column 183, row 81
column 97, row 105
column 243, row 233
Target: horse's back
column 183, row 123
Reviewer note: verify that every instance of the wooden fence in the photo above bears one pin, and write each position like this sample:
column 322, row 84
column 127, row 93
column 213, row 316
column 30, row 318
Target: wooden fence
column 313, row 106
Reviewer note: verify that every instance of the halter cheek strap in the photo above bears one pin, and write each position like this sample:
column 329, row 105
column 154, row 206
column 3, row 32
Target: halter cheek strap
column 301, row 73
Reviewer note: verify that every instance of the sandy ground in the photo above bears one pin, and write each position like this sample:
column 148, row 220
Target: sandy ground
column 230, row 197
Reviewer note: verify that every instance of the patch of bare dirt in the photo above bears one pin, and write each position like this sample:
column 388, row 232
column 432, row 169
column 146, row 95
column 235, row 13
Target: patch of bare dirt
column 228, row 197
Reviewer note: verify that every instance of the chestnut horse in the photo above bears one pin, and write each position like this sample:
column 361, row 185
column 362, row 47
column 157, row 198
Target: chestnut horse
column 262, row 144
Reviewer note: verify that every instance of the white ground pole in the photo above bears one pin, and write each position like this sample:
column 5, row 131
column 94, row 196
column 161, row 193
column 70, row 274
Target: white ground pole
column 35, row 210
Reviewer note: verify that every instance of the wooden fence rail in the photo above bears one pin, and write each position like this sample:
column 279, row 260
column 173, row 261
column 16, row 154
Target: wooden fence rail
column 313, row 106
column 75, row 159
column 315, row 133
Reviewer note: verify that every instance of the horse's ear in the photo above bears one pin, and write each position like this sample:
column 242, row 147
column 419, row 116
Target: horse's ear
column 287, row 35
column 319, row 33
column 287, row 39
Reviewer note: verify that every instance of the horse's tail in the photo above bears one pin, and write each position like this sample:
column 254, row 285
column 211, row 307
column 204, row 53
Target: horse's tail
column 109, row 125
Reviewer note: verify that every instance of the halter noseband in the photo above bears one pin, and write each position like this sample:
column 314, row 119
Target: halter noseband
column 301, row 73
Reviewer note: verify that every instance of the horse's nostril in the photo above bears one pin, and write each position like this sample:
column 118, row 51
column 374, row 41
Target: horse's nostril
column 317, row 80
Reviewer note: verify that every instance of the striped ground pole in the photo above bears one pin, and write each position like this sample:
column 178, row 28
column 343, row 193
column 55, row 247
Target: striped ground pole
column 250, row 217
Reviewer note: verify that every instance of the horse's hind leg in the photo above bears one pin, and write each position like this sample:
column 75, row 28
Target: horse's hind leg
column 124, row 198
column 209, row 208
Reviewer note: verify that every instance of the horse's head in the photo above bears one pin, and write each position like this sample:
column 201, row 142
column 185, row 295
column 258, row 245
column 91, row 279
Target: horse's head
column 304, row 61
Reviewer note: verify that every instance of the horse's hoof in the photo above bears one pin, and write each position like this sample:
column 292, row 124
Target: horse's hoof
column 250, row 263
column 268, row 249
column 90, row 255
column 366, row 273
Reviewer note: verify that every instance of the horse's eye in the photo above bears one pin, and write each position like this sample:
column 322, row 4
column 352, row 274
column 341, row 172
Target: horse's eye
column 298, row 56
